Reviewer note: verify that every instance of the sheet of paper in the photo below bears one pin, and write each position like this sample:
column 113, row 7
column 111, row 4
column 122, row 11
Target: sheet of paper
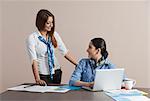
column 137, row 98
column 127, row 95
column 37, row 88
column 17, row 88
column 56, row 89
column 131, row 92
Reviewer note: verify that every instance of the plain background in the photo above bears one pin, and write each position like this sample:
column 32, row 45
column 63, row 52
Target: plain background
column 124, row 24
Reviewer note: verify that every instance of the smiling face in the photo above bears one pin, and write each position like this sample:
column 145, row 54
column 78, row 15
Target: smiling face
column 93, row 53
column 49, row 24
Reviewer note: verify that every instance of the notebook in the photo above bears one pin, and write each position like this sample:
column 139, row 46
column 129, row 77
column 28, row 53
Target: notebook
column 107, row 79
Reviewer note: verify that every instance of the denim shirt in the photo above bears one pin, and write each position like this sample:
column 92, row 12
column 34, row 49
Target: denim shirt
column 86, row 69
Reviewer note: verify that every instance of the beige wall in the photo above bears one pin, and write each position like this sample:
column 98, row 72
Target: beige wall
column 0, row 49
column 148, row 40
column 123, row 24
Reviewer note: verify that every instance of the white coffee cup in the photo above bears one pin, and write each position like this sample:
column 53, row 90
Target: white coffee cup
column 129, row 84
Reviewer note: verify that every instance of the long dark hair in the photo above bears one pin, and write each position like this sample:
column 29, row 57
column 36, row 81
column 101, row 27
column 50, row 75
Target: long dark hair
column 41, row 19
column 100, row 43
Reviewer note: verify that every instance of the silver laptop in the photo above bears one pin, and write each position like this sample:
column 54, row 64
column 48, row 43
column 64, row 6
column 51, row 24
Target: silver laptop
column 107, row 79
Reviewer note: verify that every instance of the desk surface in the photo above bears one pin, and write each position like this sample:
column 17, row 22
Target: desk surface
column 79, row 95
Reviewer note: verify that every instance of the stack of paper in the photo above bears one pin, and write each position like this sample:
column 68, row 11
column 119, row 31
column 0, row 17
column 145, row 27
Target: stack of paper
column 127, row 95
column 37, row 88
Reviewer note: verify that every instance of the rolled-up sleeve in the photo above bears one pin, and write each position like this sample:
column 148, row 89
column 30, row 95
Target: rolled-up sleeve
column 30, row 43
column 76, row 75
column 61, row 46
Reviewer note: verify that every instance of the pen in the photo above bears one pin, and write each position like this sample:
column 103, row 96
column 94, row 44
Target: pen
column 29, row 85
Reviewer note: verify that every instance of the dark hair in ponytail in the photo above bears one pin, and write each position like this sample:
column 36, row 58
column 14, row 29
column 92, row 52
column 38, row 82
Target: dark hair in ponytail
column 100, row 43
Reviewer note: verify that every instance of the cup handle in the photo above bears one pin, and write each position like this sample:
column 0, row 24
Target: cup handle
column 134, row 82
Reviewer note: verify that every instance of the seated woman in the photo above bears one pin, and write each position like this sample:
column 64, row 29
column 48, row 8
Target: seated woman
column 84, row 73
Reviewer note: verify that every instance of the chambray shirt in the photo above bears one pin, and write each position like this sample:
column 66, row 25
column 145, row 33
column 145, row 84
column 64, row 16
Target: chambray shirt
column 86, row 69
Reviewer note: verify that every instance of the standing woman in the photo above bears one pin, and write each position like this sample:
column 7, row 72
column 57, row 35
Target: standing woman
column 41, row 46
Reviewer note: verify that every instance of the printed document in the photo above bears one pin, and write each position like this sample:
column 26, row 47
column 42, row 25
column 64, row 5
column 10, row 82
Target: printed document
column 37, row 88
column 127, row 95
